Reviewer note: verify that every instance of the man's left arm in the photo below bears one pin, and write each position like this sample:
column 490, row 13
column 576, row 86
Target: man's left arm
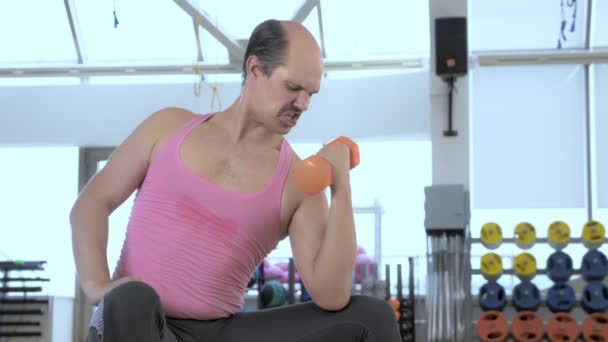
column 323, row 237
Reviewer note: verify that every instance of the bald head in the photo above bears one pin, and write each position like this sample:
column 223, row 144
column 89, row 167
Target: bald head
column 275, row 42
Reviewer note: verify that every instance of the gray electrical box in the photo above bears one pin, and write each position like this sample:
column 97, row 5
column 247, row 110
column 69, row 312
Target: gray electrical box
column 446, row 207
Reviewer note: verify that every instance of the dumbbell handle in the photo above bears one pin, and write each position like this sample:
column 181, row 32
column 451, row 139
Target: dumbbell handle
column 313, row 174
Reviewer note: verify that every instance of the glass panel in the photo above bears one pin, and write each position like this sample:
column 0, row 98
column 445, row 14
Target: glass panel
column 388, row 28
column 162, row 31
column 312, row 24
column 39, row 186
column 214, row 53
column 600, row 76
column 599, row 24
column 241, row 26
column 521, row 24
column 144, row 79
column 528, row 128
column 39, row 35
column 38, row 81
column 399, row 190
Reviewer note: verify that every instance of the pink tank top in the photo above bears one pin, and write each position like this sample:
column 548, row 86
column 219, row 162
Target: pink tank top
column 195, row 242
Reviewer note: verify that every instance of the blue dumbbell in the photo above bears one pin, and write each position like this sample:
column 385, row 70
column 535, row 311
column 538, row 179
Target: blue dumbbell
column 526, row 297
column 595, row 297
column 561, row 298
column 594, row 266
column 492, row 297
column 559, row 266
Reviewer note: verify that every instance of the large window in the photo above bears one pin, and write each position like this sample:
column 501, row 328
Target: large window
column 600, row 116
column 599, row 28
column 38, row 188
column 528, row 137
column 518, row 25
column 528, row 143
column 35, row 32
column 145, row 31
column 601, row 127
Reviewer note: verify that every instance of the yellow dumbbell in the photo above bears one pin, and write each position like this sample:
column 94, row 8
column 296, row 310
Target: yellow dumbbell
column 524, row 266
column 491, row 235
column 491, row 266
column 559, row 235
column 525, row 235
column 594, row 234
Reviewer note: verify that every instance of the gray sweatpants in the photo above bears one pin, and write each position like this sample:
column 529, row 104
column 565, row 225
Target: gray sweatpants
column 132, row 312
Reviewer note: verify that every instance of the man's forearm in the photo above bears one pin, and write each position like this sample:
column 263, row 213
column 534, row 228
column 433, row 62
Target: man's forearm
column 89, row 242
column 336, row 258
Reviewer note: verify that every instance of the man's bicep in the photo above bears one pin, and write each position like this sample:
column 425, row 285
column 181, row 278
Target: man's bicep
column 306, row 232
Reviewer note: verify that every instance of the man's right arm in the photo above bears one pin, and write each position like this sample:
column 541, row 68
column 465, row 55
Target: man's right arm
column 107, row 190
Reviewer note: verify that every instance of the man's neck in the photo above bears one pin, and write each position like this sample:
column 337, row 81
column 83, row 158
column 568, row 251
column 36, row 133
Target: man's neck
column 238, row 122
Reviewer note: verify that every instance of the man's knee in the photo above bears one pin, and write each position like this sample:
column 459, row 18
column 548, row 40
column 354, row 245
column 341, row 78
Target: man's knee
column 371, row 309
column 133, row 299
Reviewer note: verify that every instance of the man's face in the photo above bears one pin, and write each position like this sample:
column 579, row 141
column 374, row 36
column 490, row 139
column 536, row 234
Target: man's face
column 286, row 94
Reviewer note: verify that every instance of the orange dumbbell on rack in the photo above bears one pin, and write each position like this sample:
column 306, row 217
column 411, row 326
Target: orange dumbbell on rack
column 314, row 174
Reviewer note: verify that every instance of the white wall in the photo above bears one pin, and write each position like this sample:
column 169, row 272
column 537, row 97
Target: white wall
column 98, row 115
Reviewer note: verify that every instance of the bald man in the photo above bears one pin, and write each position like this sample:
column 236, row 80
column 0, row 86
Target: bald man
column 215, row 195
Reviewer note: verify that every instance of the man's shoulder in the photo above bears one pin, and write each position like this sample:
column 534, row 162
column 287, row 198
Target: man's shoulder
column 170, row 115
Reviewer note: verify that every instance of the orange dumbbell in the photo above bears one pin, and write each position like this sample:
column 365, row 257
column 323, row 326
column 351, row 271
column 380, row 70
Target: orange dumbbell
column 394, row 302
column 313, row 174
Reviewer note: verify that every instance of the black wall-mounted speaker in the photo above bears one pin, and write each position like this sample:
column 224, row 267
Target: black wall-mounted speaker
column 451, row 49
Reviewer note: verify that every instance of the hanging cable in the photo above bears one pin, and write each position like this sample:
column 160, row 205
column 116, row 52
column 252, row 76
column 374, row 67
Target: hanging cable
column 562, row 31
column 115, row 18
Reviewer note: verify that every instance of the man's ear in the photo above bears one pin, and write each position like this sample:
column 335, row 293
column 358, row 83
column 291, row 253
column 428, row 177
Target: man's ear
column 253, row 66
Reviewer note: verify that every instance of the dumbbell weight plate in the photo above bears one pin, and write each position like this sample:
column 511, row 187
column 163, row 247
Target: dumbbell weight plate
column 526, row 297
column 492, row 327
column 558, row 235
column 559, row 266
column 595, row 297
column 524, row 235
column 593, row 234
column 524, row 266
column 562, row 327
column 595, row 327
column 492, row 297
column 594, row 265
column 272, row 295
column 561, row 298
column 491, row 266
column 527, row 327
column 491, row 235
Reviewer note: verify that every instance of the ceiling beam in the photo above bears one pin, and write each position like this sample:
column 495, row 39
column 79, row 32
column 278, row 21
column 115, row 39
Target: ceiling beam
column 70, row 8
column 541, row 57
column 321, row 33
column 91, row 69
column 304, row 10
column 235, row 50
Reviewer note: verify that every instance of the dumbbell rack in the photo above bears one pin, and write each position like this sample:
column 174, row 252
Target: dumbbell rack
column 407, row 307
column 17, row 304
column 543, row 310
